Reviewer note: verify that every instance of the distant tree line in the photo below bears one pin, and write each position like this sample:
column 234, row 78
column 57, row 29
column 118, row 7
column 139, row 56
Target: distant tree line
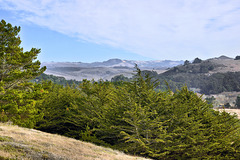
column 55, row 79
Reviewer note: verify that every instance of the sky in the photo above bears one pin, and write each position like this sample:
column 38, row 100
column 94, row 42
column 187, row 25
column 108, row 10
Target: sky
column 98, row 30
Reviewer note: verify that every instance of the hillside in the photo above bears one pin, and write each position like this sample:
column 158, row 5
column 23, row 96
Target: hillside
column 211, row 76
column 210, row 66
column 23, row 143
column 225, row 64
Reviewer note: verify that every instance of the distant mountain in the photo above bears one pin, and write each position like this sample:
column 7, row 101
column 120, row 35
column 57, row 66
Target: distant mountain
column 104, row 70
column 158, row 64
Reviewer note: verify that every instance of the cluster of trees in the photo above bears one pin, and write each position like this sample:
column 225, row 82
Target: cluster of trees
column 130, row 116
column 135, row 118
column 220, row 82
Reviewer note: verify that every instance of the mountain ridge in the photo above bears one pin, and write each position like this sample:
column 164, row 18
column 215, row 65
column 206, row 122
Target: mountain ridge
column 117, row 62
column 104, row 70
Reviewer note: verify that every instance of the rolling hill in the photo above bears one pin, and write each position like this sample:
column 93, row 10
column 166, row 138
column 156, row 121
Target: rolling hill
column 211, row 76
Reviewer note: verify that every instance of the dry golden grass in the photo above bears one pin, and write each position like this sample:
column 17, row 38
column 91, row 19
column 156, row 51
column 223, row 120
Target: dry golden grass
column 23, row 143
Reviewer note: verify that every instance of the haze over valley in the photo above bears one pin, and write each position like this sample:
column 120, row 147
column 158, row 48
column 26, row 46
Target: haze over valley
column 104, row 70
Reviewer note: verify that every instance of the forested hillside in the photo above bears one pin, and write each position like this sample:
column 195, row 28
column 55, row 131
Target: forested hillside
column 130, row 116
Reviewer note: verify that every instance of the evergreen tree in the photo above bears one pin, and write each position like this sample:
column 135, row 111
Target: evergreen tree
column 135, row 118
column 16, row 66
column 16, row 69
column 180, row 125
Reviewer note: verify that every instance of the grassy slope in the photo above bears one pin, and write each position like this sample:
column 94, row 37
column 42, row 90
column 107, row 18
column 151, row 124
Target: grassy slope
column 23, row 143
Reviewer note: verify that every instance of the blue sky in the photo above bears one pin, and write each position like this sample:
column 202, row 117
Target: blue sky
column 97, row 30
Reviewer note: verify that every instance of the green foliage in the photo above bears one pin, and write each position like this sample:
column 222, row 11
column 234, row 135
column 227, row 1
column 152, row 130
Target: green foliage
column 17, row 95
column 177, row 126
column 207, row 83
column 220, row 82
column 137, row 119
column 16, row 66
column 76, row 111
column 18, row 106
column 58, row 107
column 131, row 116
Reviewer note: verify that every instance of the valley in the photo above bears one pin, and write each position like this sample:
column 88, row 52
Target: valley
column 104, row 70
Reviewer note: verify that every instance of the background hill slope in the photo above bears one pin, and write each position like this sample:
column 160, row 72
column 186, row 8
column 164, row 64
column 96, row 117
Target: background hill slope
column 211, row 76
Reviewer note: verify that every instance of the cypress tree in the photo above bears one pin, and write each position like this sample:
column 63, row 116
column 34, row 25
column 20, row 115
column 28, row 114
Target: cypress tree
column 17, row 95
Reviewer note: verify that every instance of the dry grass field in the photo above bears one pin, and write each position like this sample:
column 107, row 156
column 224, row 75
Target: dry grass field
column 23, row 143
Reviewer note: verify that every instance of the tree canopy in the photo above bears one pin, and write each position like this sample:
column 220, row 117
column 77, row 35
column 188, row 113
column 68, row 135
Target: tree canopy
column 137, row 119
column 16, row 69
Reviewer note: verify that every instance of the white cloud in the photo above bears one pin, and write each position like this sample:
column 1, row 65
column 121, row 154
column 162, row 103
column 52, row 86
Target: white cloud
column 180, row 29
